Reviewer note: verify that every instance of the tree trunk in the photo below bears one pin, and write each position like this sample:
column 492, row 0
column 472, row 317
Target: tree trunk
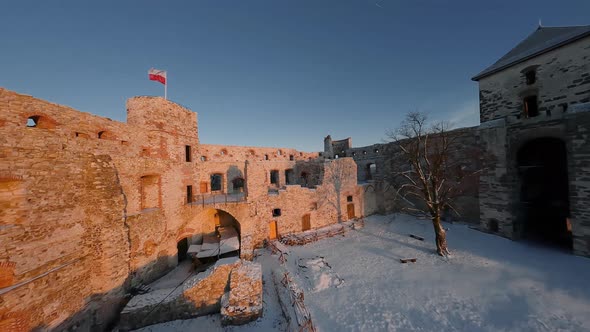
column 441, row 236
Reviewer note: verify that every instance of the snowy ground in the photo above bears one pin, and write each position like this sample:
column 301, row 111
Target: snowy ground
column 356, row 283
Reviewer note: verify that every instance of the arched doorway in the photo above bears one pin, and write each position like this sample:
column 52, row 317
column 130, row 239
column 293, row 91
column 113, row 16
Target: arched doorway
column 544, row 194
column 182, row 249
column 212, row 234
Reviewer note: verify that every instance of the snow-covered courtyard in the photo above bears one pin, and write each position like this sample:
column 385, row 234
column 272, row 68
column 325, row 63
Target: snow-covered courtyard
column 357, row 283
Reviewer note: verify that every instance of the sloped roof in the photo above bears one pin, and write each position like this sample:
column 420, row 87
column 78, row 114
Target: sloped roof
column 543, row 40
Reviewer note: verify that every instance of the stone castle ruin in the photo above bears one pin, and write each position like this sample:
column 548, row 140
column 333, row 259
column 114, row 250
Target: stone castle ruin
column 91, row 208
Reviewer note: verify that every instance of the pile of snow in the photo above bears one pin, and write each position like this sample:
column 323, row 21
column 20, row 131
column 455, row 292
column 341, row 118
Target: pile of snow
column 318, row 274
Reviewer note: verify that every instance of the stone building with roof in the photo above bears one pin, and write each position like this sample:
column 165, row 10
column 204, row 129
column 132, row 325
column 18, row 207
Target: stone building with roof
column 535, row 122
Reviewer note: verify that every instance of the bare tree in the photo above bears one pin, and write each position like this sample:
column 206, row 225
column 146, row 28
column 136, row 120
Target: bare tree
column 425, row 168
column 338, row 174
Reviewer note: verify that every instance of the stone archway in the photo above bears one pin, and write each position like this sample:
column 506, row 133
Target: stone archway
column 213, row 225
column 544, row 210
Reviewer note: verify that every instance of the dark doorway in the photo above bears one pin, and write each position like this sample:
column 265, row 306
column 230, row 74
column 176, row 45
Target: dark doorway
column 274, row 177
column 182, row 247
column 238, row 184
column 304, row 179
column 544, row 198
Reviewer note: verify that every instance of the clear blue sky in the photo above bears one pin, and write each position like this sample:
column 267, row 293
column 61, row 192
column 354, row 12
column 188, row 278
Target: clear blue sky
column 270, row 73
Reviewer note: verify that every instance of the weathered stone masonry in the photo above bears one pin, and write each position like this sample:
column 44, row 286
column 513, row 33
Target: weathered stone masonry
column 558, row 79
column 374, row 172
column 90, row 207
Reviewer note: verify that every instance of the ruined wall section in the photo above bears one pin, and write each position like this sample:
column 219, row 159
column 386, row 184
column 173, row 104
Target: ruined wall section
column 563, row 78
column 366, row 156
column 374, row 175
column 138, row 153
column 115, row 198
column 320, row 203
column 295, row 201
column 68, row 225
column 159, row 114
column 339, row 147
column 226, row 153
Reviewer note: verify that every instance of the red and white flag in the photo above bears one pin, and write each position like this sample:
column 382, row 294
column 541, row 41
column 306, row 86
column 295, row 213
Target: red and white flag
column 157, row 75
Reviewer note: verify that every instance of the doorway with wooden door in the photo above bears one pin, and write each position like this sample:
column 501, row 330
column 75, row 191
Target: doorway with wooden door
column 272, row 230
column 350, row 210
column 204, row 187
column 306, row 222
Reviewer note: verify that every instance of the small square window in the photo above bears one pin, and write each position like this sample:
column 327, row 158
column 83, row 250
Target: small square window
column 276, row 212
column 349, row 198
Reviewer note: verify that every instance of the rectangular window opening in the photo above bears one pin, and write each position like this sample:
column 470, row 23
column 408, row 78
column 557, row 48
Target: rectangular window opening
column 187, row 153
column 276, row 212
column 216, row 181
column 274, row 177
column 189, row 194
column 289, row 176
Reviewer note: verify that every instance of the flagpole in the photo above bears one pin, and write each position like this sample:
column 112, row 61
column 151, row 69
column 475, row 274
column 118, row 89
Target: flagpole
column 166, row 88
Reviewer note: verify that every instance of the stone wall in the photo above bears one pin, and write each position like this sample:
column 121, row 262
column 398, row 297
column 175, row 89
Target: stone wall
column 197, row 296
column 63, row 234
column 243, row 302
column 94, row 206
column 379, row 196
column 563, row 78
column 563, row 88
